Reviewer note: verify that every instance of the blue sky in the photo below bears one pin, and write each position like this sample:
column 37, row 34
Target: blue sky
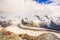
column 43, row 1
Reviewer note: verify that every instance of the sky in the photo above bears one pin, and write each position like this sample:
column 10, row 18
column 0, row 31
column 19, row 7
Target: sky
column 44, row 1
column 55, row 2
column 30, row 7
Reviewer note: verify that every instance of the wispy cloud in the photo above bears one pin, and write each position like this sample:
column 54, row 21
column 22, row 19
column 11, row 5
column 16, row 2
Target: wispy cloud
column 56, row 2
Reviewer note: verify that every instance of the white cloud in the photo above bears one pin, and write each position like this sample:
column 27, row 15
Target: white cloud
column 28, row 8
column 55, row 2
column 11, row 5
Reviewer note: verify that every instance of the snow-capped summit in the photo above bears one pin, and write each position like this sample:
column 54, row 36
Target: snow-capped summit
column 50, row 22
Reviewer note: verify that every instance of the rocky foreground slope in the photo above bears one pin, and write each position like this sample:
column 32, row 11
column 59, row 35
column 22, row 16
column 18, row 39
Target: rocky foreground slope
column 7, row 35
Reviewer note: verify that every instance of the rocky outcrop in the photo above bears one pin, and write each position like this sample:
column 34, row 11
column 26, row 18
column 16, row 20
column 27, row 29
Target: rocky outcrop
column 47, row 36
column 28, row 23
column 5, row 23
column 44, row 36
column 7, row 35
column 49, row 22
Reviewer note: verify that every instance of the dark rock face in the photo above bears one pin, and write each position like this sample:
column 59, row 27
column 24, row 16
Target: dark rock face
column 52, row 25
column 24, row 23
column 28, row 23
column 38, row 17
column 47, row 36
column 5, row 23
